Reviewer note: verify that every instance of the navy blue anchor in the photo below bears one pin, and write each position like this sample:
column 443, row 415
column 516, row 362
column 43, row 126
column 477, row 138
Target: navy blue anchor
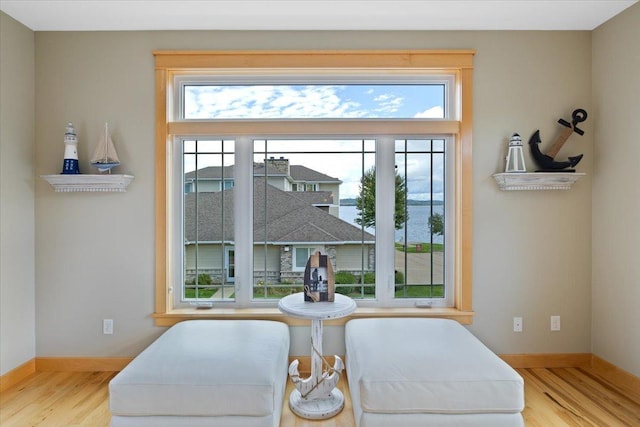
column 546, row 161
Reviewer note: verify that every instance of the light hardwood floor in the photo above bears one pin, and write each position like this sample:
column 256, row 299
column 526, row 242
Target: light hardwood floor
column 554, row 397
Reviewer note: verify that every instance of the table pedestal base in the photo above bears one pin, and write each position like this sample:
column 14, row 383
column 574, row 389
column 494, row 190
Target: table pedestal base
column 318, row 409
column 321, row 397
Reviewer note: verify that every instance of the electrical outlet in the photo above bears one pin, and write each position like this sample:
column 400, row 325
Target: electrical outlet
column 555, row 323
column 517, row 324
column 107, row 326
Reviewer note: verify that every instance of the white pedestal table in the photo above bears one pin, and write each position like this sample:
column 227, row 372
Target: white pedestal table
column 316, row 397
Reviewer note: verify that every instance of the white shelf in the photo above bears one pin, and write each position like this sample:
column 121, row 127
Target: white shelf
column 537, row 180
column 84, row 182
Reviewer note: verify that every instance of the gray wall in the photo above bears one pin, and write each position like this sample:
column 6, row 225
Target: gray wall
column 532, row 250
column 616, row 194
column 17, row 228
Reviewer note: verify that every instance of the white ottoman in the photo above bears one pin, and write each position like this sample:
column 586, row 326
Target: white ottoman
column 213, row 373
column 428, row 372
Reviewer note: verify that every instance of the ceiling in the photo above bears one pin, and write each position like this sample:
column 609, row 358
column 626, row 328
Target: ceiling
column 122, row 15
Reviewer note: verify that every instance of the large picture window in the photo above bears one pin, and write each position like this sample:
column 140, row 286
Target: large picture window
column 367, row 164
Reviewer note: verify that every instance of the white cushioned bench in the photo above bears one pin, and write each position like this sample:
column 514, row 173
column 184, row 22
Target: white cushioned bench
column 414, row 372
column 205, row 373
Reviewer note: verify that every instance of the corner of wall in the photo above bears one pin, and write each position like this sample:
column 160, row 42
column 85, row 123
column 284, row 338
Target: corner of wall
column 17, row 207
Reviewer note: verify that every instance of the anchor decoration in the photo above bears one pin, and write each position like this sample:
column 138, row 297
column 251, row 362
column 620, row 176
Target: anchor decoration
column 321, row 383
column 547, row 161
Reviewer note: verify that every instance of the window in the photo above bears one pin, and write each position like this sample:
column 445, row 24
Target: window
column 253, row 178
column 300, row 256
column 352, row 96
column 423, row 239
column 206, row 210
column 230, row 264
column 320, row 220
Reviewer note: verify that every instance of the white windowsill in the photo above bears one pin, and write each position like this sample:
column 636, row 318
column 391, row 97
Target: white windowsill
column 177, row 315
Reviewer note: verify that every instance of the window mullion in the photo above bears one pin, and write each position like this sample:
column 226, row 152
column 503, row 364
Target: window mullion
column 385, row 185
column 243, row 224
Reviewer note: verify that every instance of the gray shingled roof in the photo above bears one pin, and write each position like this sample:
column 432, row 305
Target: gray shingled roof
column 303, row 173
column 298, row 173
column 291, row 219
column 258, row 170
column 315, row 197
column 211, row 172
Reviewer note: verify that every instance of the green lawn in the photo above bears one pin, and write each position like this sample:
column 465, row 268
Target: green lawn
column 423, row 248
column 420, row 291
column 208, row 292
column 275, row 292
column 354, row 291
column 358, row 291
column 202, row 293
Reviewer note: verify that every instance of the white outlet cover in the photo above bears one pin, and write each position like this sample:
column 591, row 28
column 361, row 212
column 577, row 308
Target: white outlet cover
column 107, row 326
column 517, row 324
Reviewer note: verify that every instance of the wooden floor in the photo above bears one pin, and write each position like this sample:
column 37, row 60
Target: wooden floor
column 554, row 397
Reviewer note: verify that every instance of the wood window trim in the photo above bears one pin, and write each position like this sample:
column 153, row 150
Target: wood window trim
column 171, row 63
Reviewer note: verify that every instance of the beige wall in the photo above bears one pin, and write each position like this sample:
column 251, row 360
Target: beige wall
column 616, row 194
column 17, row 241
column 532, row 250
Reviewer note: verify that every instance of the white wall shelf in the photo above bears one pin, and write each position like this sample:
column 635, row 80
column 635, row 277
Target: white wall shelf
column 536, row 180
column 84, row 182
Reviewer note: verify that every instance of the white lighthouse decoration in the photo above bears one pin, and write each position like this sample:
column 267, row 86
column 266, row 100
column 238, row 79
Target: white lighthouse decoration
column 515, row 157
column 70, row 165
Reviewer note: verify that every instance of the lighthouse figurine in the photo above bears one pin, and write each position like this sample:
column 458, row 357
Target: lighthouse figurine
column 515, row 158
column 70, row 165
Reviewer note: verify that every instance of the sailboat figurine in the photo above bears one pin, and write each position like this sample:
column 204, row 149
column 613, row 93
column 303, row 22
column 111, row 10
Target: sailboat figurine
column 105, row 156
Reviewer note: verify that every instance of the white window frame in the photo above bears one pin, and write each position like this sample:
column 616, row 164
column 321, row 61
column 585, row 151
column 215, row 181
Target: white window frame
column 385, row 229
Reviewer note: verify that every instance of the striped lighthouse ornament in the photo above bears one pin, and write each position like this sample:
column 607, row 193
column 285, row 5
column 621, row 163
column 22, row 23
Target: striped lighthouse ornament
column 70, row 165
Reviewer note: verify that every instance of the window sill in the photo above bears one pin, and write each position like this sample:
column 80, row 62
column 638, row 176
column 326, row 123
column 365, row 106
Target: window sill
column 174, row 316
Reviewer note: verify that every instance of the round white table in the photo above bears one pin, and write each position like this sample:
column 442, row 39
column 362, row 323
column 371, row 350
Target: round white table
column 316, row 397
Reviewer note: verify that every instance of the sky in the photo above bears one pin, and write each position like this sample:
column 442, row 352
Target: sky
column 388, row 101
column 314, row 101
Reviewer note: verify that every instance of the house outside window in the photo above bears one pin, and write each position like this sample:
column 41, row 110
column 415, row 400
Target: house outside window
column 266, row 186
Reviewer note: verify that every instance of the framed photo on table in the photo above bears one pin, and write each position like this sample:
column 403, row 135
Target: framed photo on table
column 319, row 283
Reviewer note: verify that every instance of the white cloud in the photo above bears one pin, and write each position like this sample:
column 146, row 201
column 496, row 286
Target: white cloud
column 431, row 113
column 269, row 102
column 388, row 104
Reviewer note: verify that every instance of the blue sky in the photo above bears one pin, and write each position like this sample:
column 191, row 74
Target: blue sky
column 326, row 101
column 314, row 101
